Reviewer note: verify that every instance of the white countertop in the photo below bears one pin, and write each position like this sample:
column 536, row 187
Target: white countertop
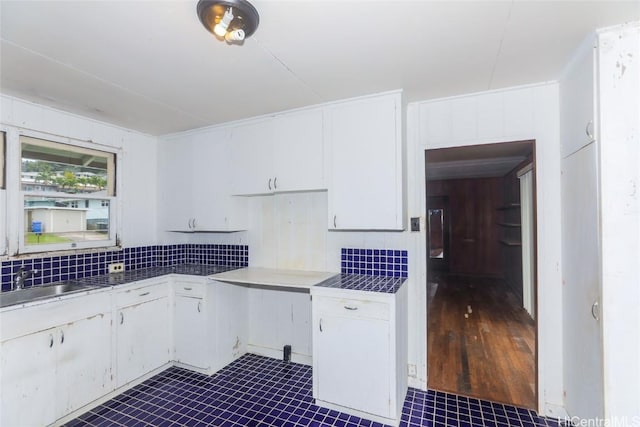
column 273, row 277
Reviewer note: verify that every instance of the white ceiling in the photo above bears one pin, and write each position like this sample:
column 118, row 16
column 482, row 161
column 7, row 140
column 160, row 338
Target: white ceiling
column 151, row 66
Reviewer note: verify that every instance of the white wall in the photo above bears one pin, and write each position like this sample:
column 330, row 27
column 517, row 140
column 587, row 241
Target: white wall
column 501, row 116
column 619, row 117
column 137, row 192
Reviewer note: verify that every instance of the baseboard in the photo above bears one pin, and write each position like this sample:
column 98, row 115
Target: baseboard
column 303, row 359
column 554, row 411
column 360, row 414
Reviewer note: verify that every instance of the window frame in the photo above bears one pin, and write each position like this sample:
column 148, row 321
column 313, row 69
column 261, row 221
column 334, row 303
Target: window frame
column 84, row 147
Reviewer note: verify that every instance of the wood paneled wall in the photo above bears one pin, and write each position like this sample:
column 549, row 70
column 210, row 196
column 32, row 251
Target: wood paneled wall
column 474, row 234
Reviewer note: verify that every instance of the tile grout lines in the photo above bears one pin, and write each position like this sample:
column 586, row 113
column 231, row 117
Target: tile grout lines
column 260, row 391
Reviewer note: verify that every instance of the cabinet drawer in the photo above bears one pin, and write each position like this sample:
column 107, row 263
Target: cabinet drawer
column 140, row 295
column 193, row 289
column 351, row 307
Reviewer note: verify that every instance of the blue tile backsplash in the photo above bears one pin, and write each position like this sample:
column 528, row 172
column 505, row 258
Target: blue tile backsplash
column 374, row 262
column 77, row 266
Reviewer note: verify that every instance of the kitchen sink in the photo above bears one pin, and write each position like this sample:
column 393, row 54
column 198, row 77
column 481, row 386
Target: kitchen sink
column 41, row 292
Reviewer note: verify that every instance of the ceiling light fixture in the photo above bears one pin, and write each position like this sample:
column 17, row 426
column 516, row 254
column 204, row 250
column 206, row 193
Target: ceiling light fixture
column 229, row 20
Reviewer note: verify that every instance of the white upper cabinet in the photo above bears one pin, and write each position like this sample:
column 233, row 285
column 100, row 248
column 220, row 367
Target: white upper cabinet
column 174, row 184
column 252, row 158
column 299, row 151
column 214, row 208
column 279, row 154
column 577, row 100
column 365, row 165
column 195, row 175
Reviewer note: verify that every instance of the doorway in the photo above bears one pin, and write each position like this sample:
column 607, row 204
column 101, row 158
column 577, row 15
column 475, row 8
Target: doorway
column 481, row 281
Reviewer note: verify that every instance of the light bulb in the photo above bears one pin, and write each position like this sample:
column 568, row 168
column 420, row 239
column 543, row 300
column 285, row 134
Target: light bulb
column 220, row 29
column 234, row 36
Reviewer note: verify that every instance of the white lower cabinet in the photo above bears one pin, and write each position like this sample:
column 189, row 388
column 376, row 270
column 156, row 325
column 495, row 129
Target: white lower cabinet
column 353, row 371
column 142, row 331
column 55, row 358
column 360, row 352
column 190, row 324
column 29, row 380
column 84, row 363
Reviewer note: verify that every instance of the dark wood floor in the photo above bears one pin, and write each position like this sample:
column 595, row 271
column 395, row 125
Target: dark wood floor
column 490, row 353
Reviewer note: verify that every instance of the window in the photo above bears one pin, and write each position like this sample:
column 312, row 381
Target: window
column 67, row 192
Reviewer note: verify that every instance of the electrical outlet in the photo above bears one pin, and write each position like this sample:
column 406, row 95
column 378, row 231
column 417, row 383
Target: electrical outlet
column 412, row 370
column 116, row 267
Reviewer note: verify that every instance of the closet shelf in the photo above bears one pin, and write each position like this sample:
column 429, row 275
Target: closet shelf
column 509, row 242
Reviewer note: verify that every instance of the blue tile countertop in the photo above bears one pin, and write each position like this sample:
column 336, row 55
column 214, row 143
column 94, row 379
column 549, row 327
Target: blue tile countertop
column 115, row 279
column 360, row 282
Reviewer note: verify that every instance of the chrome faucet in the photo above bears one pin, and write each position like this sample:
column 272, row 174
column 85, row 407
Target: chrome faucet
column 21, row 276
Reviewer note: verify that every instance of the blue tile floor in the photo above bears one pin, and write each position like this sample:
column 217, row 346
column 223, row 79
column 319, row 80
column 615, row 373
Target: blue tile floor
column 260, row 391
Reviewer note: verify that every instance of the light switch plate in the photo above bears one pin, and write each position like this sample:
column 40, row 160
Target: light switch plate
column 116, row 267
column 412, row 370
column 415, row 224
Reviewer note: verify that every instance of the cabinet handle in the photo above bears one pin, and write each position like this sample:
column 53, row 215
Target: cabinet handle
column 269, row 183
column 61, row 337
column 199, row 306
column 589, row 130
column 50, row 340
column 190, row 226
column 187, row 289
column 121, row 318
column 320, row 325
column 275, row 183
column 144, row 294
column 351, row 307
column 595, row 310
column 334, row 221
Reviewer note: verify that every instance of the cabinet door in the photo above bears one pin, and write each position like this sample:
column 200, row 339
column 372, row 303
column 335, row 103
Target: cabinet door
column 190, row 332
column 214, row 207
column 299, row 151
column 28, row 386
column 577, row 106
column 175, row 190
column 143, row 337
column 365, row 170
column 83, row 371
column 252, row 158
column 353, row 363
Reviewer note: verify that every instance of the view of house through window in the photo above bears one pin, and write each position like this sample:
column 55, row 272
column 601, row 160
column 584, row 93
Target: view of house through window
column 67, row 192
